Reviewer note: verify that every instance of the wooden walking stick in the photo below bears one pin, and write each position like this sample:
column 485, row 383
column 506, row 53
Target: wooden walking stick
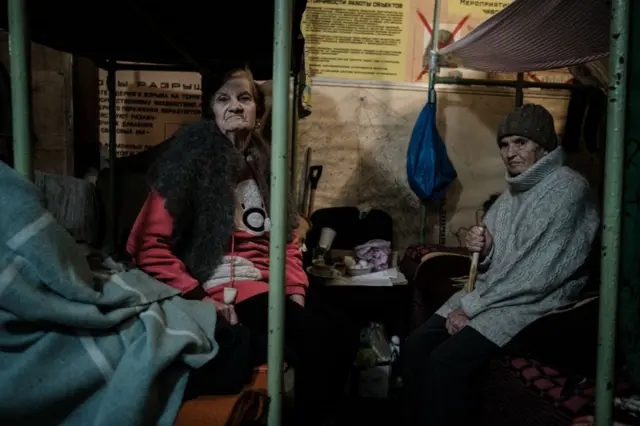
column 473, row 271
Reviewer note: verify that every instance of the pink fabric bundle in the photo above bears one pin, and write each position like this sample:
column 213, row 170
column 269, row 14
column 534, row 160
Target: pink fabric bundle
column 376, row 253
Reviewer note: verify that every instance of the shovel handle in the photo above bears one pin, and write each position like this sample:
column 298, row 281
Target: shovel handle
column 314, row 177
column 473, row 271
column 315, row 172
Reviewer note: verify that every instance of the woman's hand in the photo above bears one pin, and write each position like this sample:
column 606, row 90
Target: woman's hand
column 479, row 240
column 297, row 298
column 456, row 321
column 227, row 311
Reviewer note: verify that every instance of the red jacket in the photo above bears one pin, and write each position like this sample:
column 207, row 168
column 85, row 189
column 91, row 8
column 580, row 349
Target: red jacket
column 148, row 245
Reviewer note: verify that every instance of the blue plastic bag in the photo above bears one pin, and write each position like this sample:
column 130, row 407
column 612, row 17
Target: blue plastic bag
column 429, row 169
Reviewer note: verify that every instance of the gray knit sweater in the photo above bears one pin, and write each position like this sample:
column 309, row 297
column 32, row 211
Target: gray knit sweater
column 543, row 226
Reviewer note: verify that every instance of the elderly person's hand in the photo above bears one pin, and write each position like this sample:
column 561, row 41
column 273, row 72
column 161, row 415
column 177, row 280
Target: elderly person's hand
column 227, row 311
column 479, row 240
column 456, row 321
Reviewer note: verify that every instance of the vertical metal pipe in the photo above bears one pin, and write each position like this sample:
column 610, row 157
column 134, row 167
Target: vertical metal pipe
column 612, row 215
column 519, row 90
column 112, row 217
column 278, row 212
column 423, row 222
column 433, row 72
column 294, row 136
column 433, row 57
column 19, row 50
column 628, row 313
column 206, row 95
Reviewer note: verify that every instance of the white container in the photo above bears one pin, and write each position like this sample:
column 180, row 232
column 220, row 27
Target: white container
column 356, row 272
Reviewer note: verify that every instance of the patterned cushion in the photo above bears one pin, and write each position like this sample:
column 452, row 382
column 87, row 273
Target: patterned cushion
column 574, row 397
column 510, row 397
column 522, row 391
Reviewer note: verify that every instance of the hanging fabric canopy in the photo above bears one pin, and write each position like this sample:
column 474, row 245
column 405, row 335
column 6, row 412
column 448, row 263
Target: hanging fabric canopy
column 536, row 35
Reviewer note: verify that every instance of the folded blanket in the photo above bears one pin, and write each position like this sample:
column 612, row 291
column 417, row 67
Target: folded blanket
column 76, row 349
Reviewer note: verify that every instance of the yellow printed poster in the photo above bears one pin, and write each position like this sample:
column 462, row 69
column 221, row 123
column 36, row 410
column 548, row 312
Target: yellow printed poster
column 150, row 107
column 477, row 9
column 354, row 39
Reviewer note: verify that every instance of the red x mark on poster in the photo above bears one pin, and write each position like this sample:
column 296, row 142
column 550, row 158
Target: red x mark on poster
column 537, row 79
column 447, row 42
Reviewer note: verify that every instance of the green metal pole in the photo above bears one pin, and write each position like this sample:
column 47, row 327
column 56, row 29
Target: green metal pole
column 433, row 73
column 628, row 312
column 19, row 49
column 612, row 215
column 519, row 90
column 504, row 83
column 278, row 212
column 113, row 156
column 433, row 57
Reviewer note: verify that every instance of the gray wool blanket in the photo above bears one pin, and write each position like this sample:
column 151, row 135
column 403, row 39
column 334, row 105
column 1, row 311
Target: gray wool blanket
column 80, row 350
column 543, row 227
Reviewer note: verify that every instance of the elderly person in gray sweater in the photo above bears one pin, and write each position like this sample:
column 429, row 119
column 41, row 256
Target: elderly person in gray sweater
column 533, row 245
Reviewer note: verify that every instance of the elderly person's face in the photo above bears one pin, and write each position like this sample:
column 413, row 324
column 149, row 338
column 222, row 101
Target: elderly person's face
column 234, row 106
column 519, row 153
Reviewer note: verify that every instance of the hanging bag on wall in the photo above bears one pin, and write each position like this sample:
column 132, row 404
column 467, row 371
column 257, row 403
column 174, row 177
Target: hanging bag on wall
column 429, row 169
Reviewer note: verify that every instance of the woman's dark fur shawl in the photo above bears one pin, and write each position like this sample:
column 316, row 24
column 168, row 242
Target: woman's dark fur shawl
column 197, row 175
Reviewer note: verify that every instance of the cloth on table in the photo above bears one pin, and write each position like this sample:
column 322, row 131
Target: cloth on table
column 375, row 252
column 77, row 349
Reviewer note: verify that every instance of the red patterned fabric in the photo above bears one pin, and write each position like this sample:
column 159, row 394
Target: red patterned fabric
column 524, row 392
column 575, row 398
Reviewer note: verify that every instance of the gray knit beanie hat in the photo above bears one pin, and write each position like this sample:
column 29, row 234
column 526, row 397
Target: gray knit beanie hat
column 532, row 122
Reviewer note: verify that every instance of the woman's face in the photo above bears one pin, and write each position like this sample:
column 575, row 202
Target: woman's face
column 519, row 154
column 234, row 106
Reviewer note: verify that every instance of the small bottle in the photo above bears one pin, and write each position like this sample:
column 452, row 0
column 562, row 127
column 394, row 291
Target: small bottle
column 394, row 347
column 395, row 376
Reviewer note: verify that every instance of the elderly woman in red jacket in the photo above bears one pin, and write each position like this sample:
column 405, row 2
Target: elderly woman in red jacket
column 204, row 229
